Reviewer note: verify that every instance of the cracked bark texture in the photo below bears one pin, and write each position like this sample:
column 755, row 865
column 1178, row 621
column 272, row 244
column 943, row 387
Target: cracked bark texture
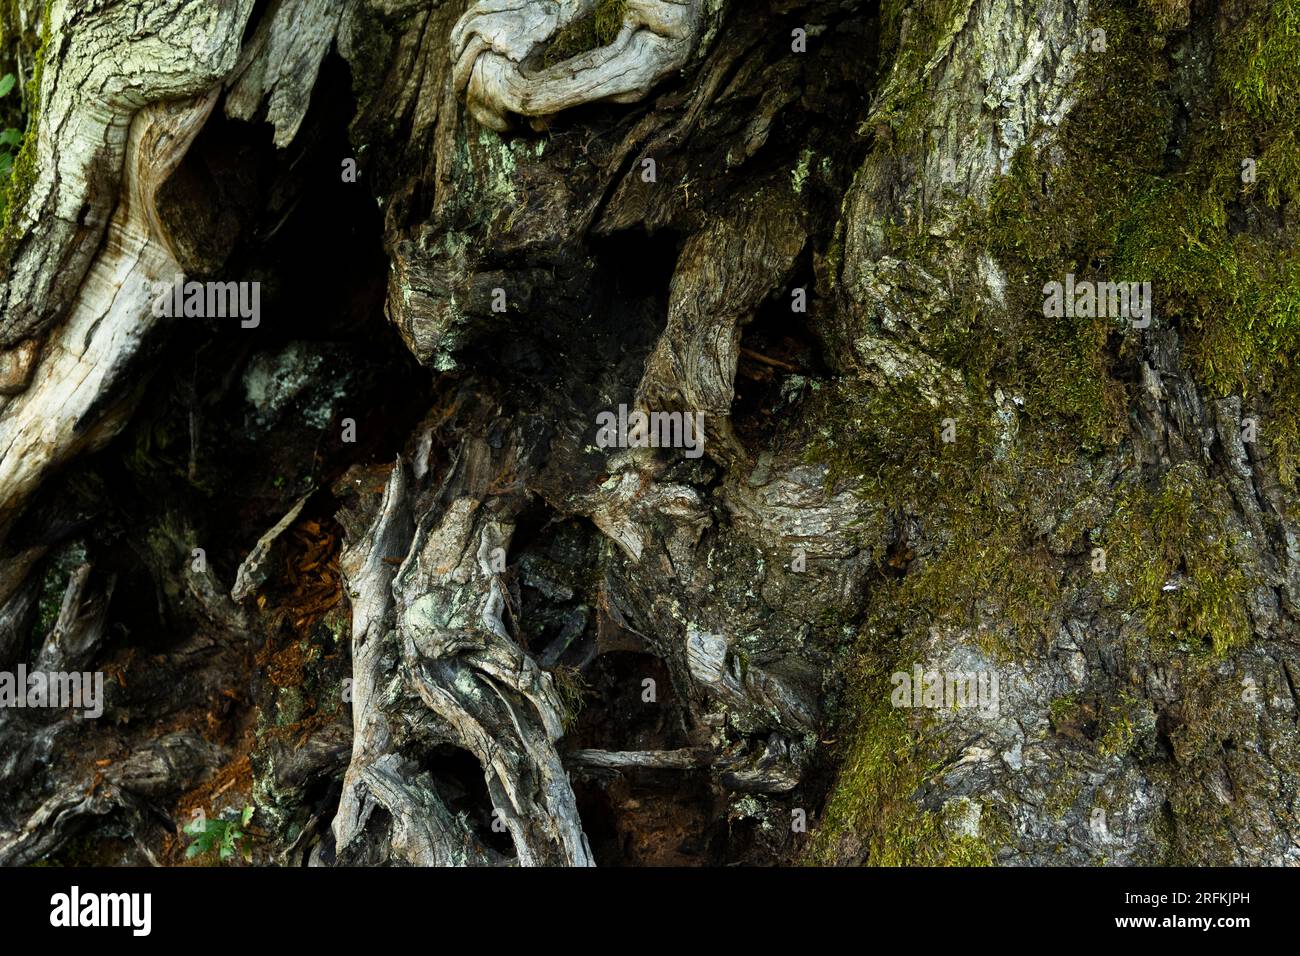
column 478, row 638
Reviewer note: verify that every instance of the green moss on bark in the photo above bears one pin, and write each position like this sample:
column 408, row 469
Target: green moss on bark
column 875, row 815
column 1175, row 561
column 23, row 177
column 1126, row 197
column 1124, row 193
column 598, row 28
column 912, row 33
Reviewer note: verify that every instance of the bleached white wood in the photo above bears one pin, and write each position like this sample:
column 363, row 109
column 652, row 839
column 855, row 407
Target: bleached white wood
column 89, row 354
column 279, row 65
column 495, row 46
column 125, row 89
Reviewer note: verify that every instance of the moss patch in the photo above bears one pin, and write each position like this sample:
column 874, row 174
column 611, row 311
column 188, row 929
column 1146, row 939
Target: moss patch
column 1169, row 548
column 598, row 28
column 1125, row 193
column 23, row 177
column 983, row 500
column 911, row 34
column 1129, row 198
column 874, row 815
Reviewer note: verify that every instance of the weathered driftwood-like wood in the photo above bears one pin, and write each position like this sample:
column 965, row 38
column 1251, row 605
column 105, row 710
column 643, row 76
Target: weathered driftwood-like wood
column 639, row 759
column 109, row 319
column 495, row 40
column 107, row 61
column 724, row 273
column 123, row 95
column 79, row 628
column 252, row 570
column 739, row 575
column 279, row 65
column 418, row 830
column 131, row 787
column 452, row 605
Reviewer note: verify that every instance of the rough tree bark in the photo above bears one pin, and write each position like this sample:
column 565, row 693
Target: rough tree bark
column 367, row 568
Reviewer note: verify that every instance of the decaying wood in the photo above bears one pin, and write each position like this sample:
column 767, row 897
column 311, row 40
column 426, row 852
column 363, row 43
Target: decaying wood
column 419, row 830
column 132, row 786
column 253, row 570
column 539, row 624
column 279, row 65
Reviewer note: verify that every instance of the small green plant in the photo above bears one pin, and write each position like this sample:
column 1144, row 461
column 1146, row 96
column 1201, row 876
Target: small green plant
column 225, row 836
column 10, row 138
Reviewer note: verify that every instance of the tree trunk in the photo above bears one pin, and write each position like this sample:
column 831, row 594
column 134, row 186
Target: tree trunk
column 922, row 559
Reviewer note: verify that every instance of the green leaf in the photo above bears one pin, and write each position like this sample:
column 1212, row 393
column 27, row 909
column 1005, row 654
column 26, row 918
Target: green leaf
column 11, row 137
column 192, row 851
column 246, row 816
column 7, row 83
column 227, row 852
